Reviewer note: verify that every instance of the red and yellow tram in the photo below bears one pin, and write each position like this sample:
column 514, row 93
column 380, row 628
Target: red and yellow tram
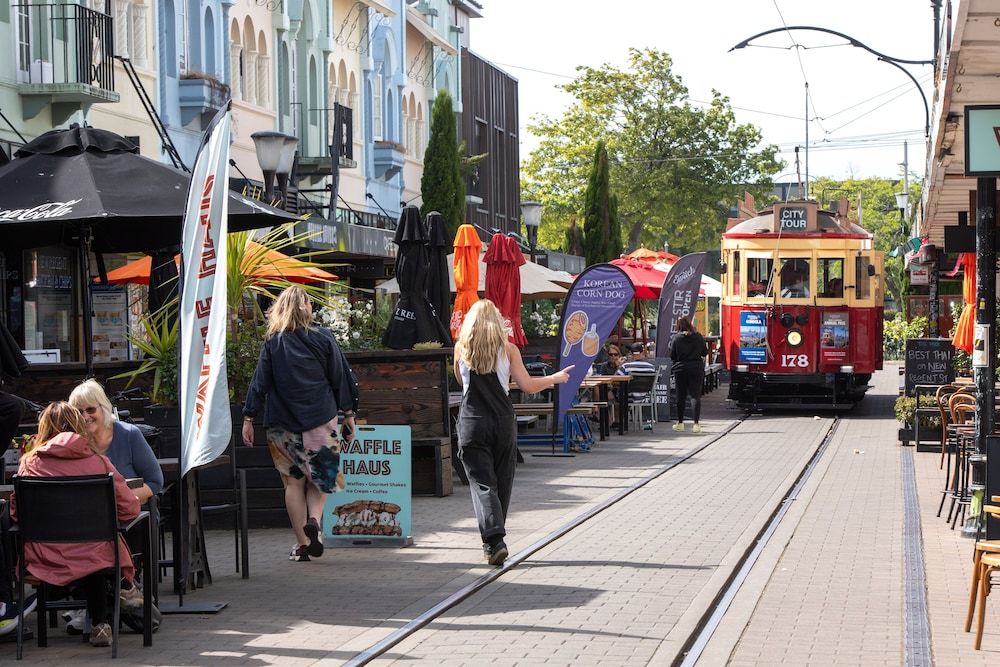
column 802, row 304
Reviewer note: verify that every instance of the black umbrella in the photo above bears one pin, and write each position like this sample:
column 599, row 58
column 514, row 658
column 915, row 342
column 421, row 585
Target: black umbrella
column 438, row 286
column 85, row 177
column 90, row 188
column 414, row 320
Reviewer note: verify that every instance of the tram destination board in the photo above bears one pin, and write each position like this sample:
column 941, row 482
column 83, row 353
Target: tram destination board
column 928, row 361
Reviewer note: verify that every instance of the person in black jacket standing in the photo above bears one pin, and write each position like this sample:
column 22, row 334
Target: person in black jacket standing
column 306, row 380
column 688, row 351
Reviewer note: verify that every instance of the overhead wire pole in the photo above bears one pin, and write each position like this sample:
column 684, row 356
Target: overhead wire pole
column 807, row 142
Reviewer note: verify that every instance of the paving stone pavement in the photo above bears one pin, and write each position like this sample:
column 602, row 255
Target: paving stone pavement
column 629, row 586
column 327, row 610
column 830, row 589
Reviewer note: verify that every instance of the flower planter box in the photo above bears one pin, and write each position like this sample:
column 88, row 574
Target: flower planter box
column 930, row 438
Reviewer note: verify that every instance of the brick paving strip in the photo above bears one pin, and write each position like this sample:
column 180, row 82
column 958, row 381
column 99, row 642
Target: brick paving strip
column 637, row 578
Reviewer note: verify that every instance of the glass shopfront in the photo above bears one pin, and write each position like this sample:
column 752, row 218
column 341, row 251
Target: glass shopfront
column 51, row 303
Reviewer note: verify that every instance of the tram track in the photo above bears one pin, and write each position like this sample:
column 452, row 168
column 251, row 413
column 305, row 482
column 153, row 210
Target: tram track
column 704, row 628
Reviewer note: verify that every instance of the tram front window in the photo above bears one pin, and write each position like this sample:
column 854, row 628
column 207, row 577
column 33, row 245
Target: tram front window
column 862, row 279
column 758, row 276
column 794, row 278
column 830, row 279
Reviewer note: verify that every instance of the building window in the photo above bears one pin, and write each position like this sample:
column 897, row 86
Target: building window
column 377, row 106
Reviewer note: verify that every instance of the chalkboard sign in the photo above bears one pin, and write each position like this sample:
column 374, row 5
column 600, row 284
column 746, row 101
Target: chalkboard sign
column 928, row 361
column 663, row 388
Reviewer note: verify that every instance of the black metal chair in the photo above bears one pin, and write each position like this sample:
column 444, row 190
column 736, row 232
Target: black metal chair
column 72, row 510
column 237, row 506
column 640, row 395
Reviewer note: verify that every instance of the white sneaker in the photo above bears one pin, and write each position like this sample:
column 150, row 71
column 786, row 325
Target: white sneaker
column 696, row 428
column 679, row 427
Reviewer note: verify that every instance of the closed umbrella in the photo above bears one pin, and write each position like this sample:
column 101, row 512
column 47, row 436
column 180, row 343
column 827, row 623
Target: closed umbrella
column 438, row 291
column 503, row 284
column 466, row 263
column 413, row 321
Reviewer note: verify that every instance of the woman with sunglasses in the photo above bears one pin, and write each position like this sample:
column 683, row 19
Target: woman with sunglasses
column 122, row 443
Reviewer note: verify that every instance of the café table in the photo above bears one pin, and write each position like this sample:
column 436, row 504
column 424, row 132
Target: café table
column 603, row 384
column 194, row 559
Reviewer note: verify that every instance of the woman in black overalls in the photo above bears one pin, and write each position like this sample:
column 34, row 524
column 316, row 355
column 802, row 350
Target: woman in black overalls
column 487, row 430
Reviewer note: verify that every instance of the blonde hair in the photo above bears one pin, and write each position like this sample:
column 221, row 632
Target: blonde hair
column 290, row 311
column 90, row 392
column 61, row 417
column 482, row 337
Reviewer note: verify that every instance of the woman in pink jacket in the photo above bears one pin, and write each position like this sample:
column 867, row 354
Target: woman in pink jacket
column 65, row 451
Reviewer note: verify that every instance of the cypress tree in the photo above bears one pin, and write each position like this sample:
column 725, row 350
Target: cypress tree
column 597, row 210
column 614, row 249
column 441, row 186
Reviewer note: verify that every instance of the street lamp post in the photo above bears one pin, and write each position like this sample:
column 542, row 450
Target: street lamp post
column 531, row 214
column 275, row 155
column 902, row 203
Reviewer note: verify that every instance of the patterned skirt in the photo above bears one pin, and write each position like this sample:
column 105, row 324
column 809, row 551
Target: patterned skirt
column 313, row 455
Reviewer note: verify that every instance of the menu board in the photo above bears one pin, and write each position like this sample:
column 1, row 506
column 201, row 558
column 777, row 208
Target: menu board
column 374, row 507
column 928, row 361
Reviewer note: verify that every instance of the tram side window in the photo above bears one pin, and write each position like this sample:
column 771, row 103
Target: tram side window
column 737, row 284
column 794, row 278
column 863, row 280
column 758, row 275
column 830, row 279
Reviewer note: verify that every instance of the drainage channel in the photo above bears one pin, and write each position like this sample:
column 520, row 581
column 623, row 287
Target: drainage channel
column 376, row 650
column 695, row 646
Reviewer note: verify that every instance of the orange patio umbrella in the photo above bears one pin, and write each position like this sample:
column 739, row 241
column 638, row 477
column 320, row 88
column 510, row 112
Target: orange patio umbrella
column 273, row 265
column 466, row 263
column 647, row 255
column 965, row 329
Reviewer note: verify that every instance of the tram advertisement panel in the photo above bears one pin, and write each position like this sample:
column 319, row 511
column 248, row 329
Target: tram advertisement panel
column 834, row 338
column 753, row 337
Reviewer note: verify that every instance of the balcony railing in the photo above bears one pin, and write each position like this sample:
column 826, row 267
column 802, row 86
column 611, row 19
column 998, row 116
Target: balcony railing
column 64, row 44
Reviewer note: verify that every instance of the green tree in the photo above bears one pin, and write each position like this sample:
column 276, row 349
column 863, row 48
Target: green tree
column 675, row 167
column 597, row 210
column 615, row 246
column 873, row 206
column 441, row 187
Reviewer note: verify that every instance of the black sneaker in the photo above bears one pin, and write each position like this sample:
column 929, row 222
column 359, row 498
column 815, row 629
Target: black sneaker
column 315, row 535
column 495, row 554
column 299, row 553
column 8, row 620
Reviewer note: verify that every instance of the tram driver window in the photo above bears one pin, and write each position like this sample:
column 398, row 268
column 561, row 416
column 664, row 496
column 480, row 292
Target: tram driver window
column 830, row 279
column 794, row 277
column 737, row 285
column 759, row 275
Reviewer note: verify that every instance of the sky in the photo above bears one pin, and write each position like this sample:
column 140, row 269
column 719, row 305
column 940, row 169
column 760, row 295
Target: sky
column 860, row 110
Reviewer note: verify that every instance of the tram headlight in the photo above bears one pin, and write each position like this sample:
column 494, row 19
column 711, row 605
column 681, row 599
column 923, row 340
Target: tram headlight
column 847, row 369
column 793, row 338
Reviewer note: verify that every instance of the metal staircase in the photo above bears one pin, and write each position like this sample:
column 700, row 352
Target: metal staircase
column 147, row 103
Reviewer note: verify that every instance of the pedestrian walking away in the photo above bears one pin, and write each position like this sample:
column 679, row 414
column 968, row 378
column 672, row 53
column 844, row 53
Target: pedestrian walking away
column 485, row 362
column 687, row 352
column 307, row 383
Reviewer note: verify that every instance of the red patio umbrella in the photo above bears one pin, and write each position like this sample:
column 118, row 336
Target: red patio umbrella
column 466, row 263
column 503, row 284
column 647, row 281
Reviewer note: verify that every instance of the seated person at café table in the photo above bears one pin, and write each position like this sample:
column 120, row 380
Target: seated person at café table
column 65, row 449
column 611, row 367
column 122, row 443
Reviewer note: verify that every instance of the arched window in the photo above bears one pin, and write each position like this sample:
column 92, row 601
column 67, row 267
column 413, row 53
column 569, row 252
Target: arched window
column 249, row 62
column 355, row 103
column 411, row 127
column 332, row 93
column 377, row 105
column 209, row 57
column 312, row 114
column 420, row 132
column 284, row 91
column 263, row 72
column 170, row 42
column 237, row 83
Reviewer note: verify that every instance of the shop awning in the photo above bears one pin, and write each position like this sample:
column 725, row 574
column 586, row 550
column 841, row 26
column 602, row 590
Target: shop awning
column 414, row 18
column 379, row 6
